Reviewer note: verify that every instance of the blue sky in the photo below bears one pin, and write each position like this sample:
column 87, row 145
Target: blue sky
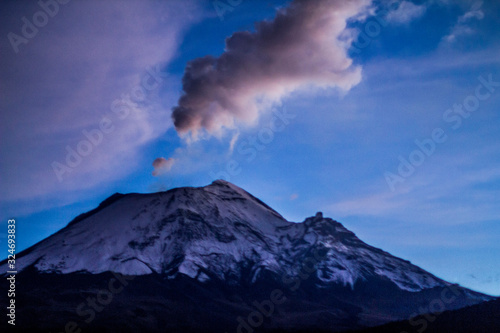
column 324, row 128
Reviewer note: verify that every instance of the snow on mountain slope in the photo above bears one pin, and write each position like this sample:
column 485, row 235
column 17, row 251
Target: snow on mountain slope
column 213, row 232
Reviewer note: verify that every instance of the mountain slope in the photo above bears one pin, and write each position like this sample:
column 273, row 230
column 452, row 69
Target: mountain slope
column 224, row 242
column 200, row 231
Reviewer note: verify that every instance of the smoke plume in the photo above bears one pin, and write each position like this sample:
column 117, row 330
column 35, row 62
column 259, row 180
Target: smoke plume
column 299, row 48
column 162, row 165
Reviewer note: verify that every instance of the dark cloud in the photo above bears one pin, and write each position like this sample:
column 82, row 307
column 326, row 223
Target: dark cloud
column 299, row 48
column 162, row 165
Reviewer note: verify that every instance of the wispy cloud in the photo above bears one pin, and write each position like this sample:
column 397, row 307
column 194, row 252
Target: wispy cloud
column 86, row 66
column 379, row 204
column 462, row 27
column 233, row 141
column 432, row 198
column 405, row 12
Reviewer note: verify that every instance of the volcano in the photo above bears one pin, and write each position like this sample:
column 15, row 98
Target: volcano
column 216, row 259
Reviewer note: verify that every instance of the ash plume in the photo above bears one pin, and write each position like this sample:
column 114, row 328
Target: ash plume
column 299, row 48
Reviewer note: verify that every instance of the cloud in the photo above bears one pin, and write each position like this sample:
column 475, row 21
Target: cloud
column 299, row 48
column 462, row 28
column 406, row 12
column 162, row 165
column 233, row 141
column 65, row 80
column 435, row 197
column 376, row 204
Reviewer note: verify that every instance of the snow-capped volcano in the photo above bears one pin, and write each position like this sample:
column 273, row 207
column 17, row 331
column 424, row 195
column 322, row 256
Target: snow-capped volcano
column 218, row 247
column 207, row 233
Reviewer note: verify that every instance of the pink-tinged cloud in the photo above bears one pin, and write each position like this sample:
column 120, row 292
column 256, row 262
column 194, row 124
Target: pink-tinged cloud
column 162, row 165
column 299, row 48
column 83, row 68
